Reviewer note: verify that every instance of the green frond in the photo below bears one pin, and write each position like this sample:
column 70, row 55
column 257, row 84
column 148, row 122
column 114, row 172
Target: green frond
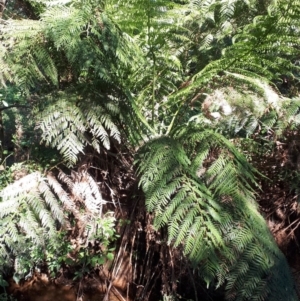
column 33, row 214
column 25, row 198
column 70, row 128
column 50, row 200
column 212, row 213
column 28, row 60
column 174, row 205
column 98, row 122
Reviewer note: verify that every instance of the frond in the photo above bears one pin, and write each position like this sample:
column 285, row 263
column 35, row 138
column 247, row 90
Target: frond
column 25, row 58
column 70, row 128
column 99, row 122
column 200, row 187
column 36, row 208
column 85, row 189
column 31, row 194
column 171, row 192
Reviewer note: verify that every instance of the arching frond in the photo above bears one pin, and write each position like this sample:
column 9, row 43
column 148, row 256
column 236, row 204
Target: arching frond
column 36, row 208
column 70, row 128
column 199, row 187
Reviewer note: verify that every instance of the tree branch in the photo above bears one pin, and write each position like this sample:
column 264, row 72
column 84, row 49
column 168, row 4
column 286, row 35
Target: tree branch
column 14, row 106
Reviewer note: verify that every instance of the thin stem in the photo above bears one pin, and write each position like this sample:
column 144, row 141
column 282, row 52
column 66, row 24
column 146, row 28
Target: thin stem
column 153, row 87
column 152, row 53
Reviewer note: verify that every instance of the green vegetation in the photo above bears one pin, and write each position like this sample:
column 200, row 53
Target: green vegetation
column 111, row 108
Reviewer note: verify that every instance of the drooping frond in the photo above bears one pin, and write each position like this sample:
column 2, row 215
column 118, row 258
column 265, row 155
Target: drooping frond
column 70, row 127
column 36, row 208
column 24, row 59
column 29, row 212
column 199, row 187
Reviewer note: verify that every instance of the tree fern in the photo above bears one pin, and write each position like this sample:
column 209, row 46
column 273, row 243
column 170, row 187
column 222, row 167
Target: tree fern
column 135, row 68
column 154, row 28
